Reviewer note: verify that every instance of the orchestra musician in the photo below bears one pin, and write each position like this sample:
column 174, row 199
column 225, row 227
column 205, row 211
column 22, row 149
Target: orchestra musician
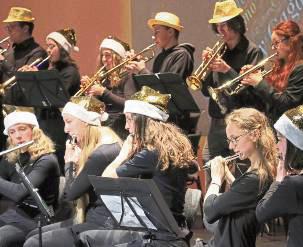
column 95, row 148
column 60, row 45
column 174, row 57
column 229, row 24
column 117, row 87
column 24, row 50
column 282, row 89
column 154, row 149
column 285, row 197
column 40, row 165
column 249, row 134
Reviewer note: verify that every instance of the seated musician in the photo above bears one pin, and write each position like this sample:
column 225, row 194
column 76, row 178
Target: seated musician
column 95, row 148
column 154, row 149
column 249, row 135
column 40, row 166
column 285, row 195
column 115, row 88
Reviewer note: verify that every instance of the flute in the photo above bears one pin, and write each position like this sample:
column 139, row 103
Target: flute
column 226, row 160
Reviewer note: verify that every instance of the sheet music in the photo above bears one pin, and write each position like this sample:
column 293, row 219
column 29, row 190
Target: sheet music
column 113, row 203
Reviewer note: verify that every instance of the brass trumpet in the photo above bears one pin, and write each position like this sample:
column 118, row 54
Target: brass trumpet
column 234, row 86
column 194, row 81
column 2, row 41
column 101, row 75
column 226, row 160
column 11, row 81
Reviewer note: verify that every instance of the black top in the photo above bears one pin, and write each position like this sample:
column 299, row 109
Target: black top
column 171, row 182
column 285, row 199
column 245, row 52
column 115, row 97
column 21, row 54
column 235, row 210
column 177, row 59
column 70, row 76
column 76, row 187
column 280, row 102
column 42, row 173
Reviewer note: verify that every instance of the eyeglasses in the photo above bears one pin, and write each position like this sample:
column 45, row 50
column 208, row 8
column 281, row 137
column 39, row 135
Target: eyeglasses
column 235, row 140
column 277, row 43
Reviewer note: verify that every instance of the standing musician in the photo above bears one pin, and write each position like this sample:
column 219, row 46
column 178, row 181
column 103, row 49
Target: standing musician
column 95, row 148
column 42, row 169
column 154, row 149
column 117, row 87
column 283, row 88
column 24, row 50
column 249, row 135
column 60, row 44
column 174, row 57
column 285, row 195
column 229, row 24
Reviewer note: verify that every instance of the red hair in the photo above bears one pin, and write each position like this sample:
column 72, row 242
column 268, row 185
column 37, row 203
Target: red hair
column 289, row 30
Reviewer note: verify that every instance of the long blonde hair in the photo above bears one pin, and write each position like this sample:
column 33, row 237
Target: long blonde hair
column 171, row 144
column 92, row 140
column 42, row 145
column 250, row 119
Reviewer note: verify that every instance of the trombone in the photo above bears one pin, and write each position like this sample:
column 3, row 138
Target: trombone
column 101, row 75
column 194, row 81
column 11, row 81
column 234, row 86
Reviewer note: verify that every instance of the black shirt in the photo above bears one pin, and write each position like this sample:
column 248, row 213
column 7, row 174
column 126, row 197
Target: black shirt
column 285, row 199
column 21, row 54
column 76, row 187
column 235, row 210
column 42, row 173
column 280, row 102
column 171, row 182
column 178, row 59
column 245, row 52
column 115, row 97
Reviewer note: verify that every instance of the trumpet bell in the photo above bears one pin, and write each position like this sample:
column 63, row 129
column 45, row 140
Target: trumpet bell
column 194, row 82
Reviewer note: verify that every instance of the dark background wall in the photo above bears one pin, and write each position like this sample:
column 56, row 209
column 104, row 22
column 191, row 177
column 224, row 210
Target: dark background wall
column 95, row 19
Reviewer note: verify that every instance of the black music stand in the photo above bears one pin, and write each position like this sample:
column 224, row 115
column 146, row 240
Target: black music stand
column 136, row 204
column 170, row 83
column 38, row 89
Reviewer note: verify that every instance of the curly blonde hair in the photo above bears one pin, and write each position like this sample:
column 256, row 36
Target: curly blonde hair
column 169, row 141
column 42, row 145
column 250, row 119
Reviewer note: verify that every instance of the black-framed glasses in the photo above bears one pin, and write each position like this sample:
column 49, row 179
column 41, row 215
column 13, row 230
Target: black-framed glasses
column 235, row 140
column 278, row 42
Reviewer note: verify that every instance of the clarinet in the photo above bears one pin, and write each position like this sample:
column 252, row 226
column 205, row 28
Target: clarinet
column 45, row 210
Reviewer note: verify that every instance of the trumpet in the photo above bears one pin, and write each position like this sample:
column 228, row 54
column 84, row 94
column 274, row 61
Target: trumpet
column 101, row 75
column 10, row 82
column 226, row 160
column 194, row 81
column 2, row 41
column 234, row 86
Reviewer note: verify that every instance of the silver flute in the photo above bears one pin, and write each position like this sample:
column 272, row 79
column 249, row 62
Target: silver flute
column 226, row 160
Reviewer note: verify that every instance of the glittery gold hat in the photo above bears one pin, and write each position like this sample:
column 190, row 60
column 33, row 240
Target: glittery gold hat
column 66, row 38
column 290, row 125
column 150, row 103
column 19, row 14
column 87, row 109
column 225, row 11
